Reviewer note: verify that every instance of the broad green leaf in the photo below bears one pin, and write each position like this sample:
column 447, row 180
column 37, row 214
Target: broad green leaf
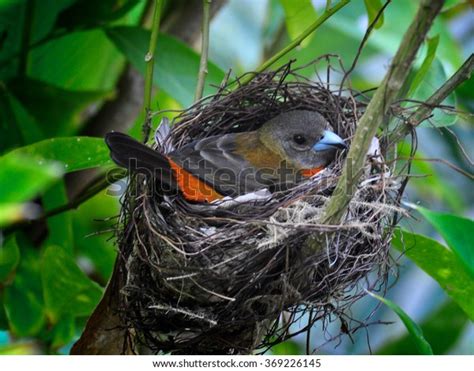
column 25, row 122
column 64, row 107
column 456, row 231
column 78, row 61
column 3, row 315
column 441, row 264
column 413, row 329
column 10, row 134
column 98, row 247
column 434, row 78
column 11, row 26
column 373, row 7
column 299, row 15
column 176, row 65
column 59, row 226
column 63, row 332
column 66, row 289
column 432, row 45
column 9, row 257
column 16, row 127
column 448, row 4
column 442, row 329
column 23, row 299
column 91, row 13
column 75, row 153
column 25, row 313
column 12, row 18
column 22, row 178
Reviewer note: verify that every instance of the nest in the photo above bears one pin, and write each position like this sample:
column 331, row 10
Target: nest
column 233, row 278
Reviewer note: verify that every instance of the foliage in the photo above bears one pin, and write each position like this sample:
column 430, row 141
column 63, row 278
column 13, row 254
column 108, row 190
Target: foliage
column 61, row 61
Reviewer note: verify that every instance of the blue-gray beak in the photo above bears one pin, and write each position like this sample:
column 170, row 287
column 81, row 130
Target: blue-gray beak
column 329, row 140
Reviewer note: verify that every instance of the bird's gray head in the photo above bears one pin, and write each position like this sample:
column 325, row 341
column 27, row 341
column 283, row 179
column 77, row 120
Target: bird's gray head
column 303, row 138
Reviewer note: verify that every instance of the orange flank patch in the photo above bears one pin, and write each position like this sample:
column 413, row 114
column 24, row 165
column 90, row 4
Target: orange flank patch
column 308, row 173
column 193, row 188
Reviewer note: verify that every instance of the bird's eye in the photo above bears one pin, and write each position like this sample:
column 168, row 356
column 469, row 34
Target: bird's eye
column 299, row 139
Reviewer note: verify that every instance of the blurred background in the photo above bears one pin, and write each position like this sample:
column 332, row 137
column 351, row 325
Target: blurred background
column 74, row 68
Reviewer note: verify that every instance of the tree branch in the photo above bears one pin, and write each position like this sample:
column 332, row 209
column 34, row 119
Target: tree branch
column 378, row 107
column 206, row 5
column 461, row 75
column 150, row 62
column 325, row 16
column 424, row 111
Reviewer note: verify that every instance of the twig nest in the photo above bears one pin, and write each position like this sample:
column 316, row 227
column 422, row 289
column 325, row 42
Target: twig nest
column 216, row 278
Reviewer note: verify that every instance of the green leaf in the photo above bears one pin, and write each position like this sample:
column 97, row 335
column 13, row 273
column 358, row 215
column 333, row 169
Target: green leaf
column 75, row 153
column 23, row 298
column 96, row 246
column 21, row 177
column 442, row 329
column 432, row 44
column 441, row 264
column 17, row 127
column 63, row 332
column 64, row 107
column 9, row 257
column 78, row 61
column 24, row 311
column 175, row 64
column 413, row 329
column 3, row 315
column 67, row 290
column 448, row 4
column 11, row 25
column 91, row 13
column 299, row 15
column 59, row 226
column 434, row 78
column 456, row 231
column 373, row 7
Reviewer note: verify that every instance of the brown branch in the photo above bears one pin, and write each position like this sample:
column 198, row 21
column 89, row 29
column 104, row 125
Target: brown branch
column 378, row 107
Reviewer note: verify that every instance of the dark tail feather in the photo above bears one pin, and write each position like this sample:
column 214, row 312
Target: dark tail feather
column 135, row 156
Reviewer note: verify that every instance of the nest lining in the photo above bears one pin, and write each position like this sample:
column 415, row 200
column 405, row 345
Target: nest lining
column 205, row 279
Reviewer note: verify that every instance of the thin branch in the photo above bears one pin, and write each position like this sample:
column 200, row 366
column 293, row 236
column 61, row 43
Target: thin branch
column 363, row 42
column 461, row 75
column 378, row 108
column 424, row 111
column 150, row 62
column 326, row 15
column 96, row 185
column 206, row 6
column 441, row 161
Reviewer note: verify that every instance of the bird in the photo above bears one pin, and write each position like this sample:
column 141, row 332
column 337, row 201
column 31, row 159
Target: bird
column 287, row 149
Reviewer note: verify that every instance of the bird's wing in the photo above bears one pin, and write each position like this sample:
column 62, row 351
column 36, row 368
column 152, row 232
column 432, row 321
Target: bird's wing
column 217, row 161
column 135, row 156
